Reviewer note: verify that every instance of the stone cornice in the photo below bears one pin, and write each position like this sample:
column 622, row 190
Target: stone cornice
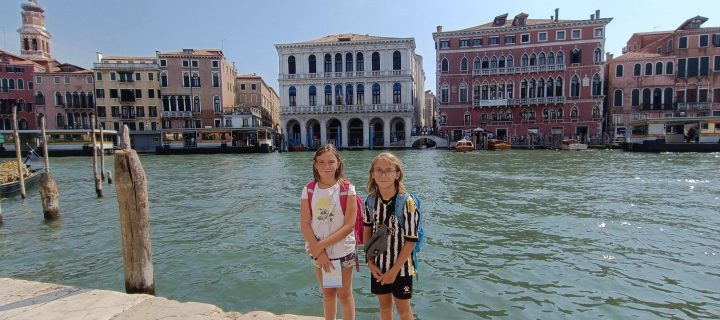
column 344, row 43
column 503, row 30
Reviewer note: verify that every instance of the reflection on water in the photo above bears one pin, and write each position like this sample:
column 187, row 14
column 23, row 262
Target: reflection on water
column 519, row 234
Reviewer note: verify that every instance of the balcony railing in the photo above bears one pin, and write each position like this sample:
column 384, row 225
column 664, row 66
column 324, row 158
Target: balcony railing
column 694, row 106
column 513, row 70
column 348, row 109
column 347, row 74
column 176, row 114
column 126, row 66
column 521, row 101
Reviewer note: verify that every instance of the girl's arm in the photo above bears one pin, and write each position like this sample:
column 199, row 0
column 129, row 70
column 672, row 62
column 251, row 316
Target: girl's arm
column 306, row 226
column 348, row 224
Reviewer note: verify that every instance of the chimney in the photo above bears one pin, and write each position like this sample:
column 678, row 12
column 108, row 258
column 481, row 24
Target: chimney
column 439, row 28
column 597, row 14
column 99, row 56
column 592, row 17
column 552, row 18
column 557, row 11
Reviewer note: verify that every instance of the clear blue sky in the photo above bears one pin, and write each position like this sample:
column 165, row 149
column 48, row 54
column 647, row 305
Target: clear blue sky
column 247, row 30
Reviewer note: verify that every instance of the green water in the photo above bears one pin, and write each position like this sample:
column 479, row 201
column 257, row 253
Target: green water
column 510, row 235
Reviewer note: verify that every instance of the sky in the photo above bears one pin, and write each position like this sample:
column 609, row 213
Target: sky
column 247, row 31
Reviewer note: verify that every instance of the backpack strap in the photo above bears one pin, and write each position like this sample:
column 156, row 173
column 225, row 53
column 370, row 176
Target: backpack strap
column 344, row 188
column 370, row 203
column 310, row 189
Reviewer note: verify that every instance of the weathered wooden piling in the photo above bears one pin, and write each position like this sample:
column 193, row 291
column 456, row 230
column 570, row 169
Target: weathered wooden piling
column 18, row 155
column 49, row 194
column 134, row 207
column 96, row 175
column 102, row 153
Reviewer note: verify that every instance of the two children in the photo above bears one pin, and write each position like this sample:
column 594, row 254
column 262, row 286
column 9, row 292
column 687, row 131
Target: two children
column 331, row 242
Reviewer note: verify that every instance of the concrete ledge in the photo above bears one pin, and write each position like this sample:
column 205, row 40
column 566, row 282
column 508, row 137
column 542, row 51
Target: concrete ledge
column 29, row 300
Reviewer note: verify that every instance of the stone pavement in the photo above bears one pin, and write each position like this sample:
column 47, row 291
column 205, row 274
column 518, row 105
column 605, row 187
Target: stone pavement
column 29, row 300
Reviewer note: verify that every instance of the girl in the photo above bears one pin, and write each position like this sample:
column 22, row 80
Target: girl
column 328, row 231
column 393, row 269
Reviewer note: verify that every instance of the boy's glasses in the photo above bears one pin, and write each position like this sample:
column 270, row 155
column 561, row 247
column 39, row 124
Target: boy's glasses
column 386, row 172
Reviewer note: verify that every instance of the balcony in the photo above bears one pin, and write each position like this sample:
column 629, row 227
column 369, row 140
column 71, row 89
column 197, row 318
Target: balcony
column 176, row 114
column 490, row 103
column 684, row 106
column 348, row 109
column 514, row 70
column 126, row 66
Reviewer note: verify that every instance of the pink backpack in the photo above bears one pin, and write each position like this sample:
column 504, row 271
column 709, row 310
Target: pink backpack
column 359, row 227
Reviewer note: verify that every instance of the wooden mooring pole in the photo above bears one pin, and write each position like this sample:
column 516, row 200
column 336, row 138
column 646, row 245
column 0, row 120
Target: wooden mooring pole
column 48, row 187
column 98, row 181
column 134, row 207
column 21, row 165
column 102, row 153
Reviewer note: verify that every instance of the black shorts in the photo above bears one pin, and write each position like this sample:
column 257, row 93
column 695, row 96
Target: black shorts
column 400, row 289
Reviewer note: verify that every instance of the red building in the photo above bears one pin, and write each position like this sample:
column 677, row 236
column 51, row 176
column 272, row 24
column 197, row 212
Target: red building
column 17, row 89
column 520, row 78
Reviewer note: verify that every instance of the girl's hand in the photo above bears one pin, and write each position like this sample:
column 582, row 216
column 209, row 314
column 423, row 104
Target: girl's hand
column 388, row 277
column 314, row 250
column 325, row 263
column 374, row 271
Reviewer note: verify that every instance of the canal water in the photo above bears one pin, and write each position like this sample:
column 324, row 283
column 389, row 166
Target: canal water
column 514, row 235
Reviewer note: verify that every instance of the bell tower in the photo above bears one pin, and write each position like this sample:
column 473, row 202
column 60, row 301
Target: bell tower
column 34, row 38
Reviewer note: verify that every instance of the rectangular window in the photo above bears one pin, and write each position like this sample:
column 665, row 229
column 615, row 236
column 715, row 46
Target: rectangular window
column 137, row 76
column 494, row 40
column 112, row 76
column 704, row 66
column 56, row 80
column 100, row 93
column 186, row 63
column 716, row 40
column 703, row 41
column 576, row 34
column 101, row 111
column 477, row 42
column 253, row 86
column 560, row 35
column 598, row 32
column 445, row 44
column 464, row 43
column 67, row 80
column 138, row 93
column 140, row 111
column 151, row 76
column 89, row 79
column 683, row 43
column 542, row 36
column 716, row 64
column 38, row 79
column 163, row 63
column 692, row 67
column 509, row 39
column 215, row 64
column 194, row 63
column 151, row 93
column 153, row 111
column 115, row 111
column 113, row 93
column 242, row 86
column 525, row 38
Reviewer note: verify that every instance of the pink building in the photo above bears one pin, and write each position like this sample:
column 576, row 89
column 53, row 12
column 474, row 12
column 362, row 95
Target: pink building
column 521, row 77
column 65, row 95
column 665, row 74
column 16, row 89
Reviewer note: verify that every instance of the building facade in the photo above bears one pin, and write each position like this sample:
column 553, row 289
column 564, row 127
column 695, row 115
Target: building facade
column 65, row 95
column 350, row 90
column 17, row 89
column 197, row 87
column 128, row 92
column 519, row 77
column 429, row 111
column 665, row 74
column 254, row 93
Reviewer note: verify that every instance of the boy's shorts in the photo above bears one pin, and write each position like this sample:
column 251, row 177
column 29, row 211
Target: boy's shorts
column 347, row 261
column 400, row 289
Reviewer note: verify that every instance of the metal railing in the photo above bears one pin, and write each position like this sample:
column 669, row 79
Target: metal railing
column 348, row 109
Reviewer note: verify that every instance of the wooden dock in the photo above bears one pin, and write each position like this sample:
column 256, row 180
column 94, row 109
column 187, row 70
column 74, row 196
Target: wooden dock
column 26, row 300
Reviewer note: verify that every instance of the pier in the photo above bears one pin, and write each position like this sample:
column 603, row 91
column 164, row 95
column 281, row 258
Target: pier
column 26, row 300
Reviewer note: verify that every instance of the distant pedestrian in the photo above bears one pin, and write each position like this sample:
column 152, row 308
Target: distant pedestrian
column 328, row 231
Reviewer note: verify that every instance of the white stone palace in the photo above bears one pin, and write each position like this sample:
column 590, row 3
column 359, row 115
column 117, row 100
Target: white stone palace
column 351, row 90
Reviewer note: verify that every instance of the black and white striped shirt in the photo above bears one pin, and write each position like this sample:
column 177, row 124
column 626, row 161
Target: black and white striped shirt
column 384, row 213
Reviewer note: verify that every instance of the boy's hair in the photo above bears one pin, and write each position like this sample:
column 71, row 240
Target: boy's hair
column 340, row 172
column 372, row 187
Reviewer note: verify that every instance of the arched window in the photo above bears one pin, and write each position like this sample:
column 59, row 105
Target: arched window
column 636, row 70
column 397, row 93
column 541, row 88
column 328, row 63
column 597, row 55
column 533, row 59
column 397, row 60
column 58, row 99
column 501, row 62
column 574, row 113
column 69, row 100
column 657, row 98
column 34, row 44
column 509, row 62
column 291, row 64
column 375, row 93
column 360, row 62
column 658, row 68
column 26, row 44
column 444, row 65
column 338, row 94
column 445, row 93
column 575, row 86
column 39, row 98
column 493, row 62
column 312, row 96
column 60, row 121
column 338, row 62
column 646, row 98
column 195, row 80
column 375, row 61
column 576, row 56
column 349, row 94
column 21, row 105
column 523, row 89
column 559, row 87
column 549, row 88
column 83, row 100
column 11, row 84
column 348, row 62
column 560, row 113
column 619, row 70
column 545, row 114
column 463, row 65
column 466, row 118
column 618, row 98
column 560, row 58
column 669, row 68
column 524, row 60
column 216, row 104
column 532, row 89
column 668, row 98
column 76, row 100
column 328, row 95
column 20, row 84
column 648, row 69
column 463, row 92
column 596, row 85
column 476, row 91
column 360, row 94
column 292, row 95
column 312, row 64
column 541, row 59
column 476, row 63
column 196, row 104
column 596, row 112
column 635, row 98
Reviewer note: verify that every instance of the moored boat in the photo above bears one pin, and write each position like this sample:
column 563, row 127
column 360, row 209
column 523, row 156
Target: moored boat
column 464, row 145
column 572, row 145
column 495, row 144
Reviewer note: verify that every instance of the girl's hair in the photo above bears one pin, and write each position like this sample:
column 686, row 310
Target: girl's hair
column 340, row 172
column 372, row 187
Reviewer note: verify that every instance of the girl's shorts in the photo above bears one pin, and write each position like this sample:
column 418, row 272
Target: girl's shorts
column 347, row 261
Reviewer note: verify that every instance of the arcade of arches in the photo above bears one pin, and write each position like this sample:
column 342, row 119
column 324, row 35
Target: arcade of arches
column 348, row 131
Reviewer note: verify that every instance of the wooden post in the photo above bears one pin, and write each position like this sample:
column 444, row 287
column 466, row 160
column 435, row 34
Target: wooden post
column 21, row 165
column 134, row 207
column 102, row 153
column 98, row 181
column 48, row 188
